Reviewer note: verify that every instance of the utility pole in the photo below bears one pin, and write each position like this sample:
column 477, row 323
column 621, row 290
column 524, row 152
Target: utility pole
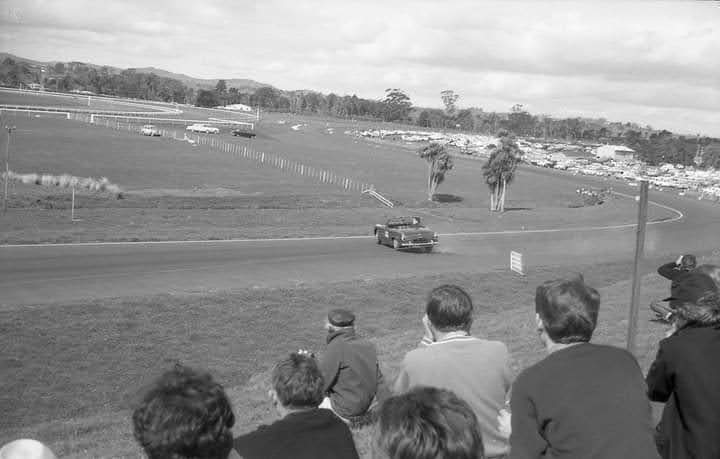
column 7, row 166
column 639, row 253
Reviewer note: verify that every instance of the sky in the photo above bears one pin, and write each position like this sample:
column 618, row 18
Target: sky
column 654, row 63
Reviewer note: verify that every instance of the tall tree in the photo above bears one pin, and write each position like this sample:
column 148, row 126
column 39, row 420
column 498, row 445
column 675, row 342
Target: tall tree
column 439, row 163
column 397, row 105
column 206, row 99
column 449, row 98
column 221, row 87
column 499, row 170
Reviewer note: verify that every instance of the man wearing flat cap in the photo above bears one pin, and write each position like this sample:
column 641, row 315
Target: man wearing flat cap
column 350, row 368
column 686, row 372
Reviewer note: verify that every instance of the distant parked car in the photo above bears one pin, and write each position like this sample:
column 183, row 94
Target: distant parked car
column 150, row 130
column 243, row 133
column 204, row 128
column 406, row 233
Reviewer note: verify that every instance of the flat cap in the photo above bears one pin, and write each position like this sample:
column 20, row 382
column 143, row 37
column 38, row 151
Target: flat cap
column 341, row 318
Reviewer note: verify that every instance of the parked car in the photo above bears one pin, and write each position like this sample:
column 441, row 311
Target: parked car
column 150, row 130
column 203, row 128
column 243, row 133
column 406, row 233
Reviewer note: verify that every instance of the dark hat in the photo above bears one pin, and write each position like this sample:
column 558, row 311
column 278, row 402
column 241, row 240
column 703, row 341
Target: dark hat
column 341, row 318
column 691, row 286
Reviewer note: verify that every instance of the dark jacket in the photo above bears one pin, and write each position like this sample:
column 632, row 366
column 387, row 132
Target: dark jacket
column 352, row 373
column 671, row 270
column 311, row 434
column 686, row 375
column 584, row 401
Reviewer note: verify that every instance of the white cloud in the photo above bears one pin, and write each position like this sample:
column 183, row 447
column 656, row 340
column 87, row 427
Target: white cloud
column 649, row 62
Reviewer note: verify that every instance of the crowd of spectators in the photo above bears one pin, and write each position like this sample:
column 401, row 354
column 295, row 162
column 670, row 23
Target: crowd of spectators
column 455, row 395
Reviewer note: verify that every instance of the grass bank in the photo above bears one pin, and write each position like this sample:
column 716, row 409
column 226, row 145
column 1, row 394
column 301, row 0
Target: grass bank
column 71, row 372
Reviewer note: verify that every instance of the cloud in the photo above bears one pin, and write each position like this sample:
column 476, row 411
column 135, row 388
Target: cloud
column 620, row 58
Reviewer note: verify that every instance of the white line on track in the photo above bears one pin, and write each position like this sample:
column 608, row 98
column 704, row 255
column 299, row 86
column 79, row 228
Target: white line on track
column 679, row 215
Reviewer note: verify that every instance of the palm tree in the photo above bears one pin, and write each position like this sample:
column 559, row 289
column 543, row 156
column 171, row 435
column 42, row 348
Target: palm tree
column 439, row 163
column 499, row 170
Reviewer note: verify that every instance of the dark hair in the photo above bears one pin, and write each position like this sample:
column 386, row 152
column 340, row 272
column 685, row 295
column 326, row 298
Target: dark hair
column 705, row 311
column 184, row 415
column 568, row 309
column 427, row 423
column 449, row 308
column 298, row 382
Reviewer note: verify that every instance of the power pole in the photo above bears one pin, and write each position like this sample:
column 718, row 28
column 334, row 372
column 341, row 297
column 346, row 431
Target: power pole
column 639, row 253
column 7, row 166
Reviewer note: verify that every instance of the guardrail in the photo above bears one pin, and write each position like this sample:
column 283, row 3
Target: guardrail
column 379, row 197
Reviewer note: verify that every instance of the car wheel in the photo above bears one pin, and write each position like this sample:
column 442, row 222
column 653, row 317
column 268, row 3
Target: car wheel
column 428, row 249
column 396, row 244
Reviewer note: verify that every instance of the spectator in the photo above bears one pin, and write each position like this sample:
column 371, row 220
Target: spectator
column 686, row 372
column 26, row 448
column 350, row 368
column 427, row 423
column 583, row 400
column 683, row 264
column 475, row 369
column 304, row 430
column 185, row 415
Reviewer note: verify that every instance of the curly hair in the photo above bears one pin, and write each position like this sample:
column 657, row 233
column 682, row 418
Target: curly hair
column 298, row 382
column 427, row 423
column 185, row 415
column 705, row 311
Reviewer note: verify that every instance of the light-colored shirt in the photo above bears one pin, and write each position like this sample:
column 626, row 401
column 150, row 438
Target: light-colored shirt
column 477, row 370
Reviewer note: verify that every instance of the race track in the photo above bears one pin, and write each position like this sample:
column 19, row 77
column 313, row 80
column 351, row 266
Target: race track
column 66, row 273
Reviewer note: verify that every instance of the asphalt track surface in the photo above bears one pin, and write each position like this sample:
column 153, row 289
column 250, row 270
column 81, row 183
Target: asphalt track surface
column 43, row 274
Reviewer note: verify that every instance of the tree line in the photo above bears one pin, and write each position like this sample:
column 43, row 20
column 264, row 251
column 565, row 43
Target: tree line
column 652, row 146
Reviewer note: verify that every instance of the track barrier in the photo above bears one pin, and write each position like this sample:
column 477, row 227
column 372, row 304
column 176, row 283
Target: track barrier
column 242, row 151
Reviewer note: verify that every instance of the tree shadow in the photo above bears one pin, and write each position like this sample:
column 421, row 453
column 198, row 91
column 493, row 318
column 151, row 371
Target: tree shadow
column 442, row 197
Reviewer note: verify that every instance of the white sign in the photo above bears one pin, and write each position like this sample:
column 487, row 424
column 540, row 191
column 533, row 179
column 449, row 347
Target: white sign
column 516, row 263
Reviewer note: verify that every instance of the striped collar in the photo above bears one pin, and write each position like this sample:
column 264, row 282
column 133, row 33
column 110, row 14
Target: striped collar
column 454, row 339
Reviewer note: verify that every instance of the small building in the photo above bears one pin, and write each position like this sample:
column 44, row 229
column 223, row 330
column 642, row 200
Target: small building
column 238, row 107
column 615, row 152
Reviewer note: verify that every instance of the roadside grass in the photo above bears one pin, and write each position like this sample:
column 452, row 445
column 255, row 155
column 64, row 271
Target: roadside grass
column 172, row 190
column 72, row 372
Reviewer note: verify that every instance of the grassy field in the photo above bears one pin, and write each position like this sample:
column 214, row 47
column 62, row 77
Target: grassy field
column 71, row 372
column 40, row 99
column 173, row 190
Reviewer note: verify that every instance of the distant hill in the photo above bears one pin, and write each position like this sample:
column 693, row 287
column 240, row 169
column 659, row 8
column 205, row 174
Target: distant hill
column 201, row 83
column 195, row 83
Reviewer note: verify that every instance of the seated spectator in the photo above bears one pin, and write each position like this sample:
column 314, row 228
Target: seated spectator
column 683, row 264
column 350, row 368
column 304, row 431
column 583, row 400
column 185, row 414
column 427, row 423
column 686, row 372
column 26, row 448
column 475, row 369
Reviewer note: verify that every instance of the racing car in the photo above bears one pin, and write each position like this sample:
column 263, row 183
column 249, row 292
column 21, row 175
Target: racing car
column 406, row 233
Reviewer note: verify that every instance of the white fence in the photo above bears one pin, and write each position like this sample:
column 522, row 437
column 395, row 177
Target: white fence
column 239, row 150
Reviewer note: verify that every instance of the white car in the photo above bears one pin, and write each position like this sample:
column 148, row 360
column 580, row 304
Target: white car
column 204, row 128
column 150, row 130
